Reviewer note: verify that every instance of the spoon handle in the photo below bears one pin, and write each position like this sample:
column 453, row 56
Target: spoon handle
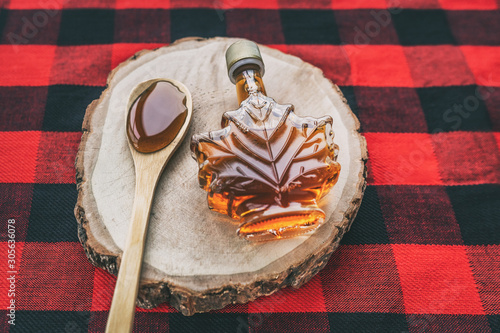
column 121, row 313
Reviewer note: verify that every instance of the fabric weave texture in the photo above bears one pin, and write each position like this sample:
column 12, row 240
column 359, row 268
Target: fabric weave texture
column 422, row 76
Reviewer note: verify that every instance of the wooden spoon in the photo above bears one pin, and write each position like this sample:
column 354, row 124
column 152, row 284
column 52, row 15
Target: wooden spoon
column 148, row 168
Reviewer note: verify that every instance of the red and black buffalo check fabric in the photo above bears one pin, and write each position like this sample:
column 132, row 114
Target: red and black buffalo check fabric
column 423, row 77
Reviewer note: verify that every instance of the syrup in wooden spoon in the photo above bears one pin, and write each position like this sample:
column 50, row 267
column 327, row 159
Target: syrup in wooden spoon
column 160, row 111
column 156, row 117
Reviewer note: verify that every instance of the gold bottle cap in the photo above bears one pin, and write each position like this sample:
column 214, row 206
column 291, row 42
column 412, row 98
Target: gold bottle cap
column 243, row 52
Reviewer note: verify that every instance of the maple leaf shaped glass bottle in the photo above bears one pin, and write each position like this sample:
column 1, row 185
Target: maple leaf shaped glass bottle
column 267, row 167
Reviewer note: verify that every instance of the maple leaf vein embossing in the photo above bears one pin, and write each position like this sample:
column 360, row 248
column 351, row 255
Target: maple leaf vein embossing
column 250, row 154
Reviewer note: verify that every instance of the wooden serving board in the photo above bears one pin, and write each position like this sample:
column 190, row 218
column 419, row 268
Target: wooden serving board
column 193, row 258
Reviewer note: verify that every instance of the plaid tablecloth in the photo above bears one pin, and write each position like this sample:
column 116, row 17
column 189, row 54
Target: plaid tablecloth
column 423, row 76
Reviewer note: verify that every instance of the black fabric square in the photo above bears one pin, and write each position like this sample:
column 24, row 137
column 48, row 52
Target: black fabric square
column 422, row 27
column 261, row 26
column 197, row 22
column 390, row 109
column 348, row 92
column 477, row 210
column 66, row 105
column 86, row 26
column 51, row 321
column 4, row 322
column 208, row 322
column 455, row 108
column 298, row 322
column 15, row 203
column 369, row 226
column 491, row 96
column 494, row 321
column 52, row 218
column 309, row 27
column 31, row 27
column 367, row 322
column 366, row 27
column 150, row 322
column 426, row 218
column 447, row 323
column 142, row 26
column 3, row 20
column 475, row 27
column 22, row 108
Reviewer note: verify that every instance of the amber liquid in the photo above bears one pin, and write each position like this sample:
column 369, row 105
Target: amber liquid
column 242, row 85
column 269, row 173
column 156, row 117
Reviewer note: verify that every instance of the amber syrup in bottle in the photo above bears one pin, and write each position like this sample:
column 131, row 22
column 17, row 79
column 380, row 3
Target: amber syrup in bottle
column 266, row 167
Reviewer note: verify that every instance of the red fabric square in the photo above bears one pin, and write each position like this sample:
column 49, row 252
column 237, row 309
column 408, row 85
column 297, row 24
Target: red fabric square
column 467, row 158
column 6, row 271
column 55, row 276
column 257, row 25
column 361, row 278
column 82, row 65
column 436, row 279
column 442, row 65
column 355, row 4
column 121, row 52
column 18, row 156
column 485, row 264
column 484, row 62
column 281, row 47
column 30, row 4
column 378, row 65
column 332, row 59
column 15, row 203
column 308, row 298
column 417, row 4
column 26, row 65
column 122, row 4
column 402, row 159
column 103, row 288
column 56, row 157
column 427, row 217
column 467, row 4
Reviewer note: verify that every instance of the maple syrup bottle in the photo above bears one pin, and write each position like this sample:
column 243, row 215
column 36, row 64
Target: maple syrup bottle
column 266, row 167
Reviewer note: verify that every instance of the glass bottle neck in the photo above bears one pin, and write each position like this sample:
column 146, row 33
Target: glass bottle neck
column 248, row 82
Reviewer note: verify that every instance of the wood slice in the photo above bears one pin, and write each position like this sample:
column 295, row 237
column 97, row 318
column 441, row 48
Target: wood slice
column 193, row 258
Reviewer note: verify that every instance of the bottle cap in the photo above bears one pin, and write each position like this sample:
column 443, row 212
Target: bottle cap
column 243, row 52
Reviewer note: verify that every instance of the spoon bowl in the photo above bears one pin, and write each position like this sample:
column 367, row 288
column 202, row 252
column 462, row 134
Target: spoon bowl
column 148, row 169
